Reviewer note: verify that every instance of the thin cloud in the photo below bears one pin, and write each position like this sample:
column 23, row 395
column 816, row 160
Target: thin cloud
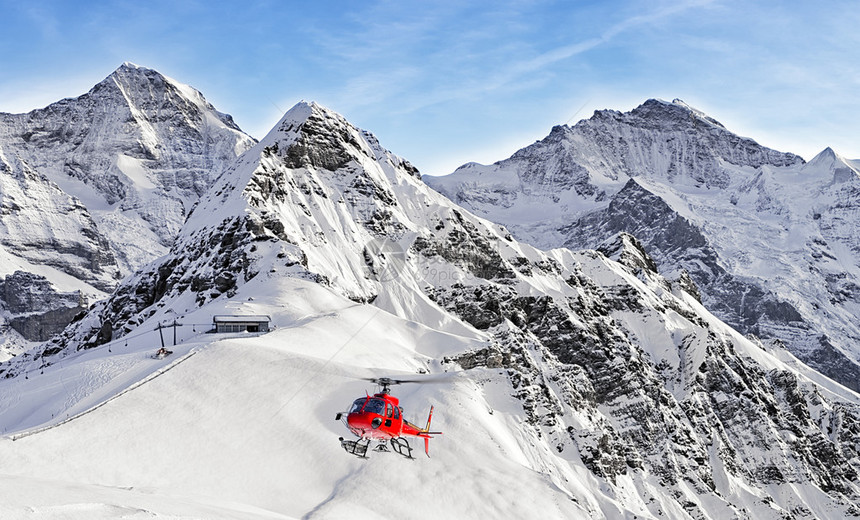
column 568, row 51
column 523, row 70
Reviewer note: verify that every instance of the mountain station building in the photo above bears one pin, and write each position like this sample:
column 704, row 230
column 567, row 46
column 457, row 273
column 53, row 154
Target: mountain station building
column 241, row 323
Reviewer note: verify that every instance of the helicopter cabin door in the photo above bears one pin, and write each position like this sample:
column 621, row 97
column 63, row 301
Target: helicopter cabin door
column 389, row 414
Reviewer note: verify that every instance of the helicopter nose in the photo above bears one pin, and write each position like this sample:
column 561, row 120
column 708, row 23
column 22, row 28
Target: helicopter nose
column 360, row 422
column 376, row 422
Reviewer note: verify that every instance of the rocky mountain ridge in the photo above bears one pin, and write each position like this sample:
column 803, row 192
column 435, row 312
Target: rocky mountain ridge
column 769, row 240
column 621, row 374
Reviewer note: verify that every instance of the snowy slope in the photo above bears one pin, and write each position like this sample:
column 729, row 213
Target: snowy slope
column 598, row 387
column 244, row 396
column 770, row 241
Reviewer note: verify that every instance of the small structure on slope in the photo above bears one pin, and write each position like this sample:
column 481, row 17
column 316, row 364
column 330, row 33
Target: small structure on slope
column 241, row 323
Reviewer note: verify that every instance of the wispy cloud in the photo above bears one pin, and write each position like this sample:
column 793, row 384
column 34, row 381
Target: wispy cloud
column 467, row 86
column 452, row 75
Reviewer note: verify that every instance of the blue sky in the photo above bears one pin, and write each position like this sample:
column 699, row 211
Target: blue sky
column 446, row 82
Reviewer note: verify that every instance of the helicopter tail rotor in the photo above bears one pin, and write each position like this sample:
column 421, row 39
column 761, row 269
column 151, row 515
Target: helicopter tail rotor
column 426, row 434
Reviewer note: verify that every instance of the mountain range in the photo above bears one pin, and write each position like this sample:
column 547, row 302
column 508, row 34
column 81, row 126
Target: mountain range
column 769, row 240
column 596, row 379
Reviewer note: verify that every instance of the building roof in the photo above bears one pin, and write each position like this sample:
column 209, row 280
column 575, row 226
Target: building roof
column 231, row 318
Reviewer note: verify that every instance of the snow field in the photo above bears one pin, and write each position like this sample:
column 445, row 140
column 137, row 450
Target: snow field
column 248, row 425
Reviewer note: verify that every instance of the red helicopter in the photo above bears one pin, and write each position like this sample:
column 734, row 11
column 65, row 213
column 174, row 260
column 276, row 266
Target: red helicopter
column 380, row 418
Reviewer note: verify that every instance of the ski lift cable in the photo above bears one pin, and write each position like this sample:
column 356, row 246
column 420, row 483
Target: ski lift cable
column 145, row 332
column 109, row 344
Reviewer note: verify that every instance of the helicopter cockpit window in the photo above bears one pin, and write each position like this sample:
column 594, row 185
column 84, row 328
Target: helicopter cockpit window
column 356, row 406
column 397, row 412
column 389, row 410
column 375, row 406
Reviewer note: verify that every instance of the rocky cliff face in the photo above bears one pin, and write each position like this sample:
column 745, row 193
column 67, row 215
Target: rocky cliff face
column 35, row 309
column 96, row 186
column 621, row 374
column 768, row 240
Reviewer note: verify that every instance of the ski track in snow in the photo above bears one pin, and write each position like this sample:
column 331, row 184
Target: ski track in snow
column 90, row 380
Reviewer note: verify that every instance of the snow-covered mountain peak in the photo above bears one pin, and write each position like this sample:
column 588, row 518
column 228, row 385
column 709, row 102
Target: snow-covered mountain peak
column 674, row 114
column 98, row 185
column 769, row 239
column 827, row 156
column 290, row 121
column 294, row 119
column 144, row 88
column 658, row 113
column 578, row 169
column 830, row 163
column 304, row 110
column 313, row 136
column 139, row 146
column 129, row 74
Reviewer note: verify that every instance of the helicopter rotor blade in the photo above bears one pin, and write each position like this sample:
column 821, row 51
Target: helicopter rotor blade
column 430, row 379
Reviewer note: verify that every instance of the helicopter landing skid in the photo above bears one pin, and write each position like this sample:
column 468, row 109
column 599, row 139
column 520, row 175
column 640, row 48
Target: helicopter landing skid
column 401, row 446
column 357, row 448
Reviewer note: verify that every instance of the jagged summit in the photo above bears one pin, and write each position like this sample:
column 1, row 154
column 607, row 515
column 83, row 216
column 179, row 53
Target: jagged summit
column 139, row 142
column 659, row 113
column 296, row 117
column 133, row 72
column 310, row 113
column 575, row 169
column 679, row 105
column 312, row 135
column 147, row 89
column 828, row 162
